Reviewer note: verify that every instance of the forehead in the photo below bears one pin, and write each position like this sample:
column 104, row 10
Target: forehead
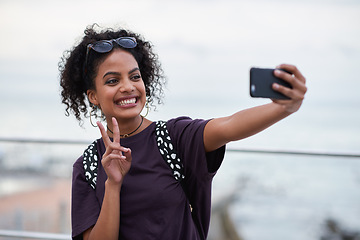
column 118, row 59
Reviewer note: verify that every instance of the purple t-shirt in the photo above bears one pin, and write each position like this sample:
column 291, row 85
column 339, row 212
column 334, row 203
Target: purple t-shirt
column 153, row 204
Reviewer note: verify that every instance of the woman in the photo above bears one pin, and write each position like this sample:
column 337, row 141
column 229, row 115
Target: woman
column 135, row 195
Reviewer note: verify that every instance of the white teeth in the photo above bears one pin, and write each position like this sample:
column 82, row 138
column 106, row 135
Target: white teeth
column 127, row 101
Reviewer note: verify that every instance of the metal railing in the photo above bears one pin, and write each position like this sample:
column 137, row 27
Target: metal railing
column 243, row 150
column 33, row 235
column 301, row 153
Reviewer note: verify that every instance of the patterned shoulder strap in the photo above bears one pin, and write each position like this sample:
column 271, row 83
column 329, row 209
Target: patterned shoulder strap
column 90, row 162
column 167, row 150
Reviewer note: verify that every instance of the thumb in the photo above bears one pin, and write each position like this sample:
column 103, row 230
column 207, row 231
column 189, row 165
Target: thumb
column 127, row 154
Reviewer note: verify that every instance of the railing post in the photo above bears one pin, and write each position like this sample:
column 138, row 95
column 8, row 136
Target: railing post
column 19, row 220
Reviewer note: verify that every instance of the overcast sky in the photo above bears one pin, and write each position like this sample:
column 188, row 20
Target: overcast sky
column 206, row 48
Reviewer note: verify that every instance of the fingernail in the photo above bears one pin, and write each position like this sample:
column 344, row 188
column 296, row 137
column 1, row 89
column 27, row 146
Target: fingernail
column 275, row 85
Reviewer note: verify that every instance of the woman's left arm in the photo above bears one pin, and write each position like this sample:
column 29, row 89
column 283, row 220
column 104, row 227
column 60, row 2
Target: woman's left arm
column 243, row 124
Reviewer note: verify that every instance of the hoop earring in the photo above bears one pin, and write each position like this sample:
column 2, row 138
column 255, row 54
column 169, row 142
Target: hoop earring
column 93, row 112
column 147, row 109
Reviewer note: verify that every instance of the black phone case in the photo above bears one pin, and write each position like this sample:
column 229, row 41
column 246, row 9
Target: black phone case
column 261, row 80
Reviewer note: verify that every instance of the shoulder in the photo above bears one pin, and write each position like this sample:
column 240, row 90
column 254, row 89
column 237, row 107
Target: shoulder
column 93, row 148
column 186, row 132
column 184, row 122
column 186, row 127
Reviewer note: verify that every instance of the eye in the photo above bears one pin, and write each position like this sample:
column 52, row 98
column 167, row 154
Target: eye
column 135, row 77
column 111, row 81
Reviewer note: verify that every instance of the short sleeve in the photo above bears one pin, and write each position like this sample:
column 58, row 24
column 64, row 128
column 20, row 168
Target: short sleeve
column 85, row 207
column 188, row 138
column 200, row 167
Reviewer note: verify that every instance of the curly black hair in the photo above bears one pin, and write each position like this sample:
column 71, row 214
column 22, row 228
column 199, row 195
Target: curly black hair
column 75, row 82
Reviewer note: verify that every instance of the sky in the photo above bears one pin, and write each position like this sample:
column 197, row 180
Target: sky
column 206, row 49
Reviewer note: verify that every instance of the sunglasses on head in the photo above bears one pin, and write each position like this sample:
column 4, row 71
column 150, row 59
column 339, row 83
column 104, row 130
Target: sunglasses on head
column 105, row 46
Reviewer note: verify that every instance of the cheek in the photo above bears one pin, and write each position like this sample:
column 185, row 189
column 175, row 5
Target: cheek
column 142, row 88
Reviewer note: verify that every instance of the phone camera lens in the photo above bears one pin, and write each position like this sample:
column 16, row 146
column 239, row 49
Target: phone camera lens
column 253, row 88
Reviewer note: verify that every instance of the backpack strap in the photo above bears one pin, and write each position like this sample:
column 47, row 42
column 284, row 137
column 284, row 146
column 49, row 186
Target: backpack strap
column 167, row 150
column 90, row 162
column 168, row 153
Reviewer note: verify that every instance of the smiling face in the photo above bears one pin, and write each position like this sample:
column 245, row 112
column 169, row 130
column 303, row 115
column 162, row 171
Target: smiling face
column 119, row 89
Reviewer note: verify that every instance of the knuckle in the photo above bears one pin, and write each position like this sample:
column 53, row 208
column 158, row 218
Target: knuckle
column 291, row 80
column 305, row 89
column 301, row 97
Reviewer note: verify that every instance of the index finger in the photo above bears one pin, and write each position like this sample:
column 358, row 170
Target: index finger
column 116, row 130
column 104, row 135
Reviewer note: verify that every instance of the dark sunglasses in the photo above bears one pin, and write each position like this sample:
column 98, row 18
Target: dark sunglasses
column 105, row 46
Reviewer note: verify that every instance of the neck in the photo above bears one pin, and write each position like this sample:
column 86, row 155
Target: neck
column 128, row 128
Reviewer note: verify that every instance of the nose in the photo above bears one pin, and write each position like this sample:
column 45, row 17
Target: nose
column 127, row 85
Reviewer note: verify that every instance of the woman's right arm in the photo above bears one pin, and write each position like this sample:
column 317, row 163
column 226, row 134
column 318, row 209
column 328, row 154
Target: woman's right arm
column 116, row 162
column 107, row 225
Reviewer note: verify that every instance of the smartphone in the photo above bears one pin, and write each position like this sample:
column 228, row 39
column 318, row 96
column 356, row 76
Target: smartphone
column 261, row 80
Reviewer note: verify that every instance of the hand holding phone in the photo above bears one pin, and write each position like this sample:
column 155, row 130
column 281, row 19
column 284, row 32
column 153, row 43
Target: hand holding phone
column 261, row 81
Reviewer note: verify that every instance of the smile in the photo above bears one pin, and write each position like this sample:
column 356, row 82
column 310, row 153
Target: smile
column 125, row 102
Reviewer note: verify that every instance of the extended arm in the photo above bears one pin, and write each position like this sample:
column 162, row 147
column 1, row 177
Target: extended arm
column 243, row 124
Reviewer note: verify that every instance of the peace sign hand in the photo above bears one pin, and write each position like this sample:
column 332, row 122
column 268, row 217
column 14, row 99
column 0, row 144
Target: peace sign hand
column 116, row 160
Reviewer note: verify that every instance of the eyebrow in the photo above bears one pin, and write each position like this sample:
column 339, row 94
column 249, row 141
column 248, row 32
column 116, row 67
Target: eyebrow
column 119, row 74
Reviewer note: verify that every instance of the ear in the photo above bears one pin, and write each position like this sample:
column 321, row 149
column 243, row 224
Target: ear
column 92, row 96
